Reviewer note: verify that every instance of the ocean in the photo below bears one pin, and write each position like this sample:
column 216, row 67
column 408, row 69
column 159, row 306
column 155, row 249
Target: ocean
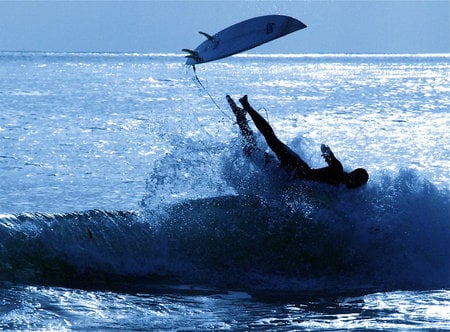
column 126, row 202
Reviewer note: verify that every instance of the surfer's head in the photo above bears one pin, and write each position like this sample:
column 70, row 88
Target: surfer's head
column 356, row 178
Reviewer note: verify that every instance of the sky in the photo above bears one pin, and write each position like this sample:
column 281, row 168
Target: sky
column 334, row 26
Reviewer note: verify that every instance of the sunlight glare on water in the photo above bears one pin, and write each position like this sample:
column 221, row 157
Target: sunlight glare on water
column 118, row 173
column 89, row 129
column 64, row 309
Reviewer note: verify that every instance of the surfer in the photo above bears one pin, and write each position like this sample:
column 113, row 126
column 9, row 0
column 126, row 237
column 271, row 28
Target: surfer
column 295, row 166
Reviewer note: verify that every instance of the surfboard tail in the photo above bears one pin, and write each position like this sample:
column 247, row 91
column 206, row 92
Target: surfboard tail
column 193, row 56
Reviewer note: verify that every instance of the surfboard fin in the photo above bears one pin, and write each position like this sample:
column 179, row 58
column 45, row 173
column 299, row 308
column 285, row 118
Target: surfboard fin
column 208, row 36
column 213, row 40
column 196, row 58
column 192, row 54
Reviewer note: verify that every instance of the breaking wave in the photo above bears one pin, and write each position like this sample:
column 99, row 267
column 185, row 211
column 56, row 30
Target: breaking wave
column 242, row 228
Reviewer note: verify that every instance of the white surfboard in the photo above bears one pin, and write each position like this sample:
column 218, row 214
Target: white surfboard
column 242, row 37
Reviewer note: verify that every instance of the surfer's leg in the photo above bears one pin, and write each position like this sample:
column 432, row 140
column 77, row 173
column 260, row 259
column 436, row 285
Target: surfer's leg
column 249, row 141
column 287, row 157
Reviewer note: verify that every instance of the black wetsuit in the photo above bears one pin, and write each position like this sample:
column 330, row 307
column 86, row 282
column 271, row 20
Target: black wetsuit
column 290, row 161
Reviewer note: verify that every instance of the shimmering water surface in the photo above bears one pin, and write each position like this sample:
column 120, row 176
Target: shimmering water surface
column 126, row 203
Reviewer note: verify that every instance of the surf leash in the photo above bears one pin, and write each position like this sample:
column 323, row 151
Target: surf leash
column 209, row 95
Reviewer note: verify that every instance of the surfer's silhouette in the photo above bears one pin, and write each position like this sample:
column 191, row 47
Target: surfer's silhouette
column 295, row 166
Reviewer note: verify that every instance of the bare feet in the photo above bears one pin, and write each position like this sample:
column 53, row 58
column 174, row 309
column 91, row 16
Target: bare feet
column 244, row 101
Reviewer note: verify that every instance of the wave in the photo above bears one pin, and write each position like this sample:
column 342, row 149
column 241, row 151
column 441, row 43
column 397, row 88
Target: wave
column 267, row 234
column 279, row 234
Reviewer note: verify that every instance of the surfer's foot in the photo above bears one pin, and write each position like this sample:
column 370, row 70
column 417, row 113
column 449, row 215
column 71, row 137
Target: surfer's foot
column 235, row 108
column 238, row 112
column 244, row 101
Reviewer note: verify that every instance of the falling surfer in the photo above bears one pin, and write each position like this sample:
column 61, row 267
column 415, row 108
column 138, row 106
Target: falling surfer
column 244, row 36
column 291, row 162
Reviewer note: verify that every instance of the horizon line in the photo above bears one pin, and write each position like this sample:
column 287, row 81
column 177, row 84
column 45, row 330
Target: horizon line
column 241, row 55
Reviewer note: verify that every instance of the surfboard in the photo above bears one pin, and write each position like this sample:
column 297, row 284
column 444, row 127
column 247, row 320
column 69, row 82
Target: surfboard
column 242, row 36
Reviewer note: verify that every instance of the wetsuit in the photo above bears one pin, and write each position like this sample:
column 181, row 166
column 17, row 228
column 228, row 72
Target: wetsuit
column 290, row 161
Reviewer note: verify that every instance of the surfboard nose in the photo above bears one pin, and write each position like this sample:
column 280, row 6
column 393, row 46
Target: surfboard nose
column 297, row 25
